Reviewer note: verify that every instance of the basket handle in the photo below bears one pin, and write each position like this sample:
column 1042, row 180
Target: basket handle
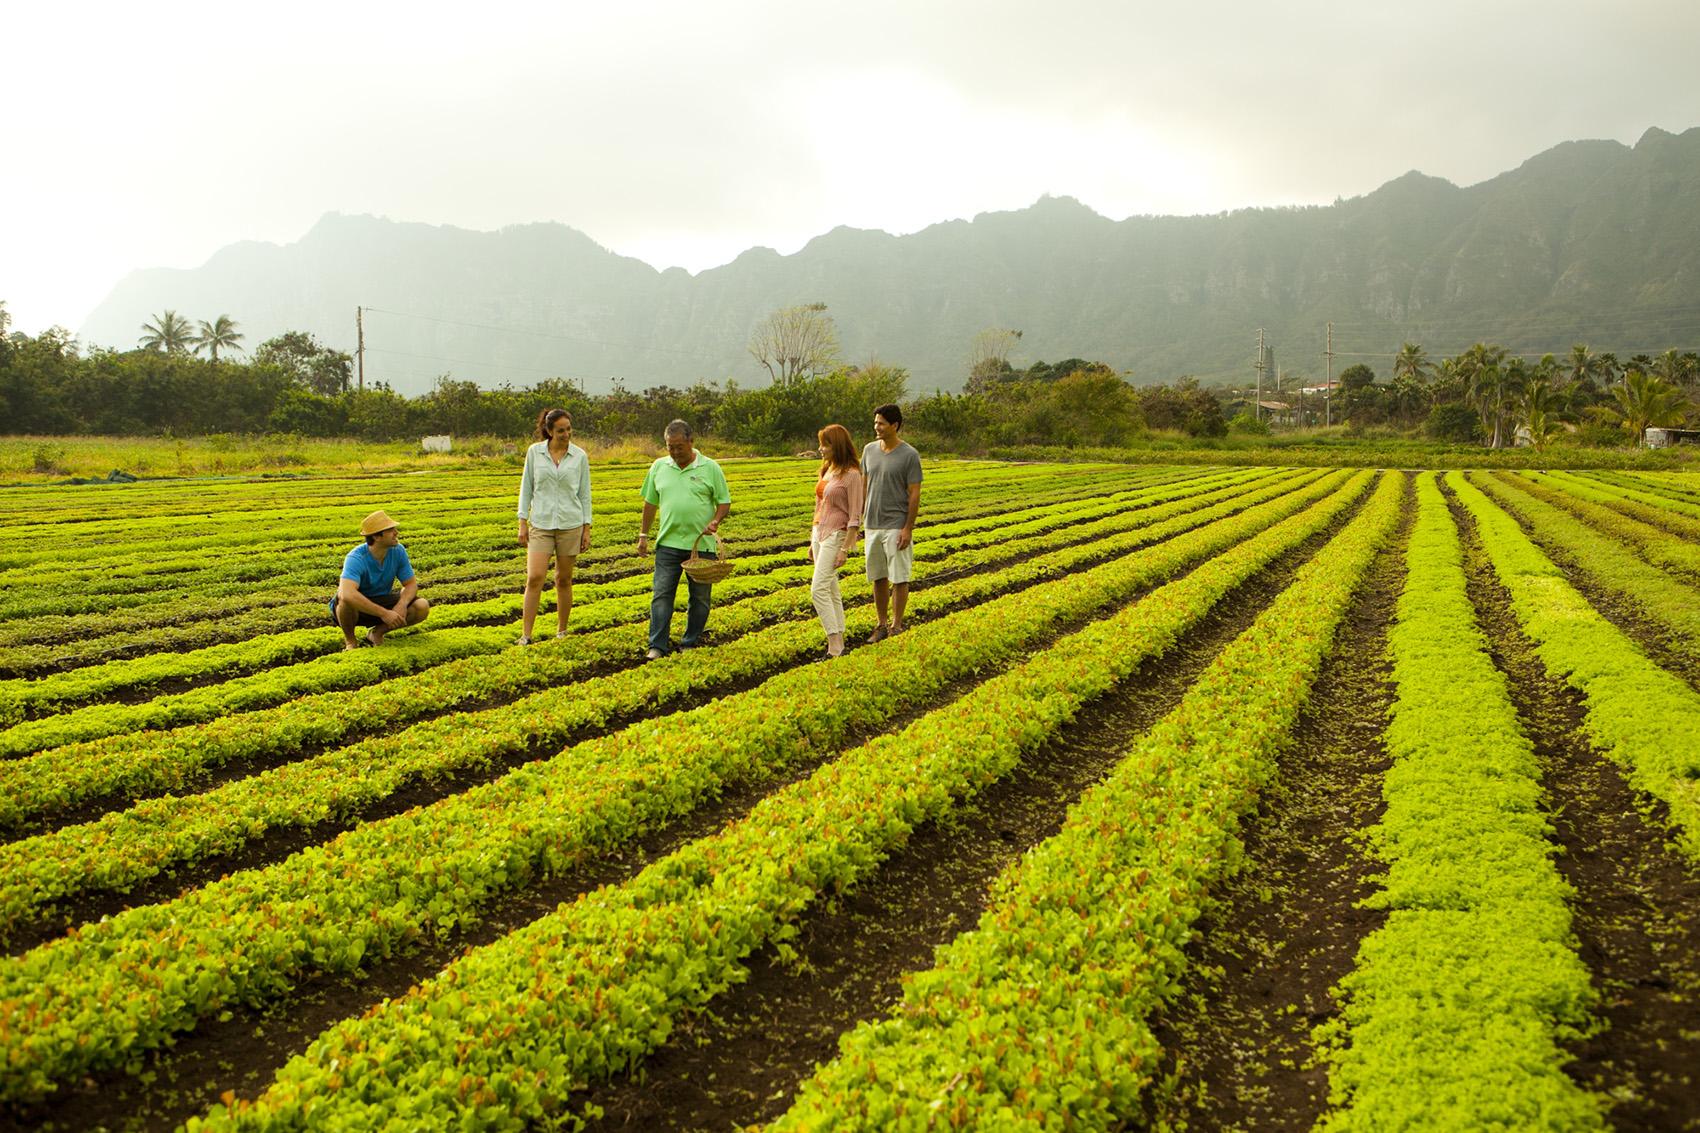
column 694, row 556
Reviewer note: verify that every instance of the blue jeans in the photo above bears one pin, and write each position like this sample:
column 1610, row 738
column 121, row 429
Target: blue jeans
column 669, row 565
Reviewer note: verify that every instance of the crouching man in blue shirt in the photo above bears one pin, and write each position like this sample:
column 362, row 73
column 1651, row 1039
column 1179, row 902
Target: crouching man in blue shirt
column 366, row 595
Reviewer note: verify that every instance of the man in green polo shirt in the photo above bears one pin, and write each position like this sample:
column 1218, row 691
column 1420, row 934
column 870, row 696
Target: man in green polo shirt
column 690, row 491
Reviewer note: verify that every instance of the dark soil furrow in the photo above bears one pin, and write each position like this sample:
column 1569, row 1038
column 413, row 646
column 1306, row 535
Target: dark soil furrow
column 1637, row 905
column 1284, row 930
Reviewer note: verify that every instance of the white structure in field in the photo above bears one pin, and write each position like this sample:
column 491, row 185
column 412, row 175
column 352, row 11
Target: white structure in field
column 439, row 443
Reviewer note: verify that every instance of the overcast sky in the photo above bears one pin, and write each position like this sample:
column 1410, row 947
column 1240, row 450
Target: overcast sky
column 151, row 135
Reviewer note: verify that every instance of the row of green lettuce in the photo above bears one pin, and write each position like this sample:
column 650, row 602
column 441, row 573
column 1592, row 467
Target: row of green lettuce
column 108, row 991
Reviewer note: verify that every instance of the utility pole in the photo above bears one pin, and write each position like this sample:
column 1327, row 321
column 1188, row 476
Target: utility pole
column 1328, row 381
column 360, row 347
column 1257, row 406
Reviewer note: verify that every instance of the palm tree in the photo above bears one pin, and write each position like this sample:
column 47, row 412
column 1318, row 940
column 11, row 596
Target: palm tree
column 1539, row 409
column 1645, row 400
column 1412, row 362
column 221, row 333
column 1487, row 386
column 1677, row 368
column 1587, row 368
column 169, row 333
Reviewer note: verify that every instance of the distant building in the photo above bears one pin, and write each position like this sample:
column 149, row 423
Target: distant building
column 1664, row 438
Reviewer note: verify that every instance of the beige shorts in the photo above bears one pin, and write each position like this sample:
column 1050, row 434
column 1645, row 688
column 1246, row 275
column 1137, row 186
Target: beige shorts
column 882, row 559
column 563, row 543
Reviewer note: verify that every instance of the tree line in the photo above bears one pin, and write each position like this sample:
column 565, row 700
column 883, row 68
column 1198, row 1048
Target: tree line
column 294, row 384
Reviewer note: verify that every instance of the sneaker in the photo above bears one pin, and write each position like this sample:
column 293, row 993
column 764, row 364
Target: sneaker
column 654, row 655
column 561, row 636
column 523, row 640
column 880, row 633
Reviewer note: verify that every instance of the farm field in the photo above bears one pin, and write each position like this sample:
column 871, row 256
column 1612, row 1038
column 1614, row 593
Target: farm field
column 1192, row 797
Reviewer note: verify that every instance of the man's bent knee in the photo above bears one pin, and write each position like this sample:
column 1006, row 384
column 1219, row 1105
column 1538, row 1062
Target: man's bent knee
column 418, row 611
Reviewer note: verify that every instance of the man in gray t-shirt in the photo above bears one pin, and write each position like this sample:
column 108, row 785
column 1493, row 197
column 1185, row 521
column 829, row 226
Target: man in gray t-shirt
column 891, row 482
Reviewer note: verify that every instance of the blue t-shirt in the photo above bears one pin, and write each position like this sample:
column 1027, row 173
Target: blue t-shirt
column 376, row 579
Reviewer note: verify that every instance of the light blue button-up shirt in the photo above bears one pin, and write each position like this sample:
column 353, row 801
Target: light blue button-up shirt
column 553, row 496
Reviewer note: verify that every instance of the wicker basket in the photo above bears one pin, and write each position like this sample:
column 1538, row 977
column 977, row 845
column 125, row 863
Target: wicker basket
column 707, row 570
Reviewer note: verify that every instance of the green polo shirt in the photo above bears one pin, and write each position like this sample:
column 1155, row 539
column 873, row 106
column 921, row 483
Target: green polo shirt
column 687, row 498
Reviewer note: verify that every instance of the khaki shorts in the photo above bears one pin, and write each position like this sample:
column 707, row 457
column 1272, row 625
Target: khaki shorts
column 882, row 559
column 562, row 542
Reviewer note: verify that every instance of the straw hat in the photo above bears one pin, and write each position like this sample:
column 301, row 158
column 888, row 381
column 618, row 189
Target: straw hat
column 376, row 522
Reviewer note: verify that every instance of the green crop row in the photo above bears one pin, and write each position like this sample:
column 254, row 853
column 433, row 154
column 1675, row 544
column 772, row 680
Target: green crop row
column 120, row 849
column 1681, row 484
column 787, row 529
column 313, row 533
column 1038, row 1018
column 1659, row 500
column 1643, row 717
column 1616, row 570
column 338, row 670
column 1456, row 1011
column 1612, row 495
column 196, row 621
column 1655, row 544
column 107, row 991
column 589, row 989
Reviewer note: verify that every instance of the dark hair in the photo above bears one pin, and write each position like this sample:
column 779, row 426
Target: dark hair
column 372, row 536
column 837, row 450
column 546, row 422
column 892, row 414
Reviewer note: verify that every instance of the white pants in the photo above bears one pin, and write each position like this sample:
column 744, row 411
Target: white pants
column 829, row 604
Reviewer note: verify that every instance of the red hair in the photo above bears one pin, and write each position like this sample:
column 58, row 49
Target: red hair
column 837, row 451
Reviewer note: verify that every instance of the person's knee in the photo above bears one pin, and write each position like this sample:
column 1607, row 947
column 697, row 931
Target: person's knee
column 419, row 610
column 534, row 582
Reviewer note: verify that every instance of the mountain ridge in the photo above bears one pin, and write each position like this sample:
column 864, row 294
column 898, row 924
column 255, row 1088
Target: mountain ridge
column 1586, row 241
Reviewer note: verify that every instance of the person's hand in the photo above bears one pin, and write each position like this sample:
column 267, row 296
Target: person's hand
column 584, row 540
column 843, row 556
column 643, row 544
column 811, row 552
column 524, row 533
column 713, row 526
column 902, row 538
column 395, row 618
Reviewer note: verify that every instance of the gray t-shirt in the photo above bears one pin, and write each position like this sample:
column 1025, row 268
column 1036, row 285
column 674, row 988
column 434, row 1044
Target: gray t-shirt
column 889, row 476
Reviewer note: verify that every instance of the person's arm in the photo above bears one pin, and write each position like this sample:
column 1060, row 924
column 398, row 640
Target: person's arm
column 396, row 616
column 584, row 502
column 643, row 528
column 908, row 531
column 722, row 500
column 525, row 489
column 853, row 513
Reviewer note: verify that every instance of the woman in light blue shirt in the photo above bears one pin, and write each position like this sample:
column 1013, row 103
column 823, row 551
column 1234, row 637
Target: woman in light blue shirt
column 554, row 515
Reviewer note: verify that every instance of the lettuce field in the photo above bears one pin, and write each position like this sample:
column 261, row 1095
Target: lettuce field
column 1189, row 797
